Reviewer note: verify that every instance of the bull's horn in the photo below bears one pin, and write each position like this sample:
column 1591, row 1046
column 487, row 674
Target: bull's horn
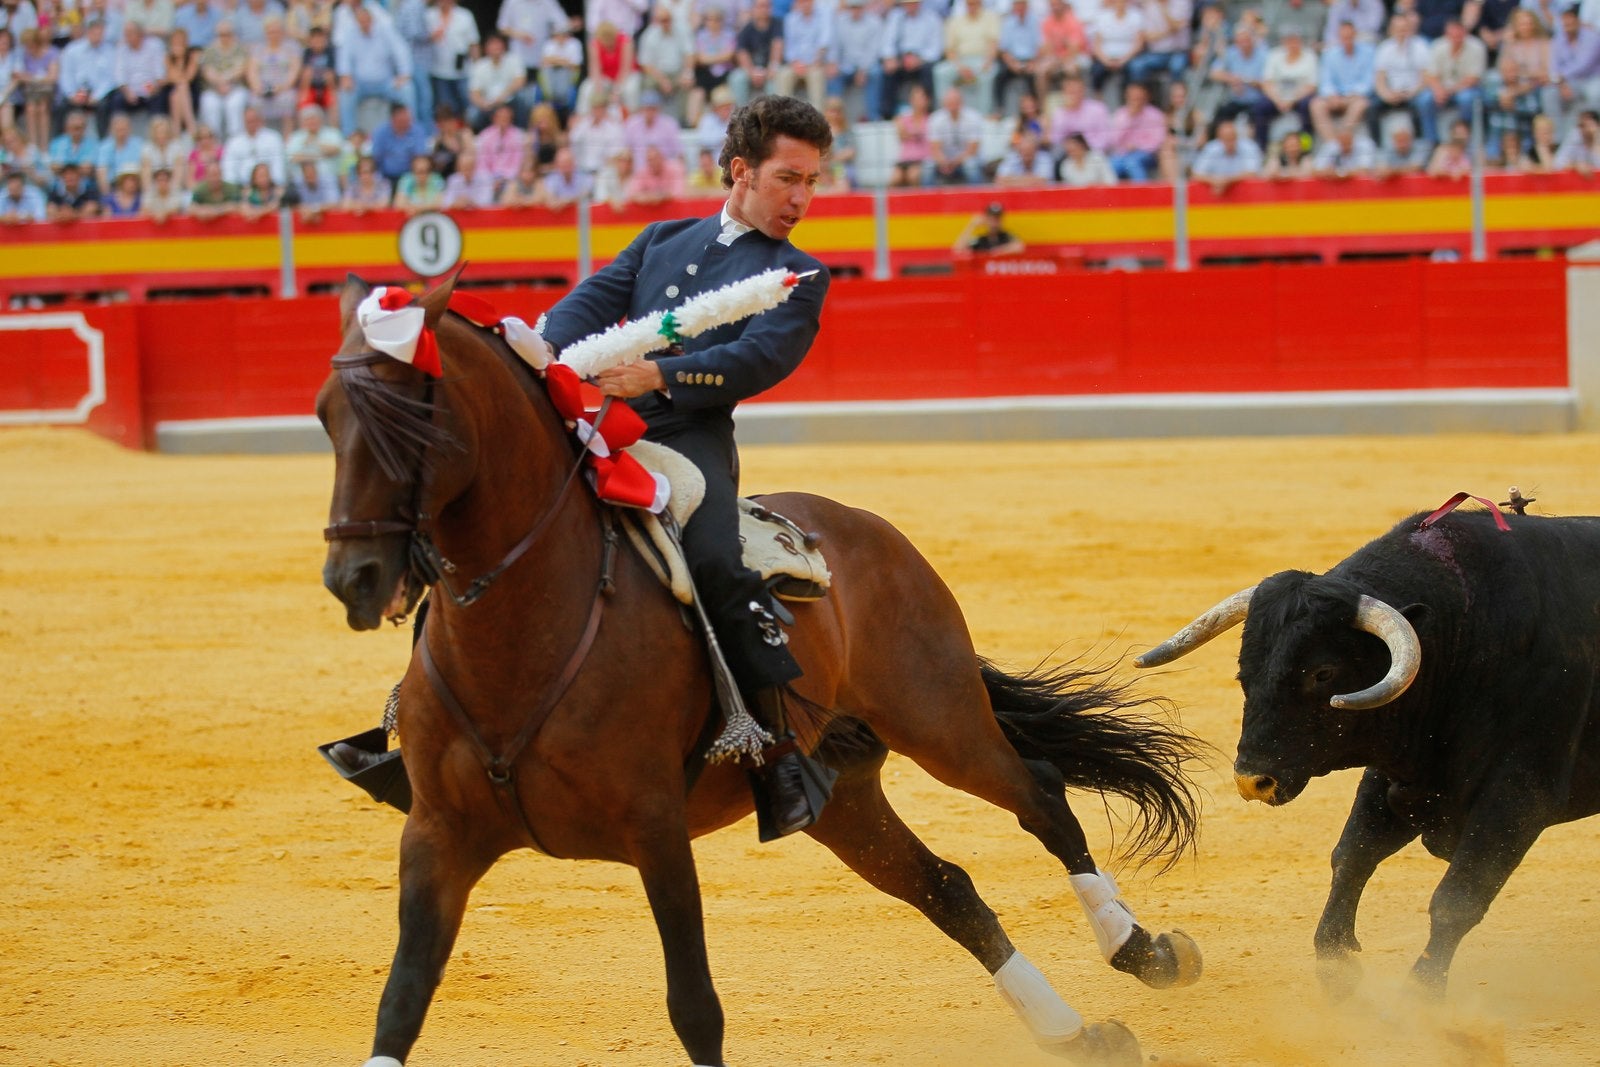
column 1229, row 613
column 1405, row 654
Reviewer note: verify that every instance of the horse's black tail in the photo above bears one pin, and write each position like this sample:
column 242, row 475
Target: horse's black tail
column 1088, row 726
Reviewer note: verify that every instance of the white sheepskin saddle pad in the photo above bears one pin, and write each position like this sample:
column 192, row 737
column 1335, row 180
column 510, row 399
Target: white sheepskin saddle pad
column 774, row 548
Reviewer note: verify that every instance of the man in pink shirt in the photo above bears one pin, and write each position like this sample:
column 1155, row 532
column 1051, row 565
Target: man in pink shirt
column 501, row 147
column 659, row 180
column 650, row 127
column 1082, row 114
column 1137, row 132
column 1063, row 46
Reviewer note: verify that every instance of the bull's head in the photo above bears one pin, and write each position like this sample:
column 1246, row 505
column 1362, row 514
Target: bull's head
column 1315, row 648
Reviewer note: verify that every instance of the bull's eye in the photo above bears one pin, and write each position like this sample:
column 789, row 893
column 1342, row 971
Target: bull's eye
column 1319, row 676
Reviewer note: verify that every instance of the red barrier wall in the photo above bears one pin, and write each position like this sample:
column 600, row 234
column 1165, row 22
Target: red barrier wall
column 73, row 367
column 1405, row 325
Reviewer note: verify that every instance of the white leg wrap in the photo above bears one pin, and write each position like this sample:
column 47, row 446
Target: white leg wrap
column 383, row 1061
column 1111, row 919
column 1051, row 1019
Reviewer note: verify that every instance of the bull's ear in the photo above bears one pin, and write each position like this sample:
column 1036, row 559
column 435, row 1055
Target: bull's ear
column 437, row 300
column 1420, row 616
column 355, row 290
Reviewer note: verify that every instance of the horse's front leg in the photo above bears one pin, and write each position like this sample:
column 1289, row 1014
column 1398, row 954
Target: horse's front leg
column 1372, row 833
column 436, row 877
column 662, row 853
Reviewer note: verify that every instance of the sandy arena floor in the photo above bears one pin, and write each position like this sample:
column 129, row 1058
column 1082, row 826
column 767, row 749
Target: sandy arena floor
column 188, row 883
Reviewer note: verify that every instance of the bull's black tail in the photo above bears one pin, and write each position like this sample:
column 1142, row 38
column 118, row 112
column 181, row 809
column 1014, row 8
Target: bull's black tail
column 1091, row 728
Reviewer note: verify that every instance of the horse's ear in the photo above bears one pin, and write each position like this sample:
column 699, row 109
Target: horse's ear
column 355, row 290
column 437, row 300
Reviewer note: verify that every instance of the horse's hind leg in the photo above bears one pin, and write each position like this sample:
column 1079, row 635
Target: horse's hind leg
column 864, row 831
column 436, row 877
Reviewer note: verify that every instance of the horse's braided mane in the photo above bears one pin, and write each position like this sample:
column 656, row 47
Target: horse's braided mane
column 400, row 429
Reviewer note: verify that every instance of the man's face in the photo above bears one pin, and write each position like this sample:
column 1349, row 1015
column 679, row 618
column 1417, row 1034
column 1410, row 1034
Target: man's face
column 1456, row 33
column 75, row 127
column 120, row 127
column 1569, row 22
column 312, row 121
column 1228, row 134
column 952, row 101
column 133, row 33
column 1347, row 35
column 401, row 120
column 1402, row 139
column 14, row 185
column 774, row 197
column 1072, row 92
column 96, row 33
column 71, row 178
column 495, row 48
column 1588, row 127
column 1136, row 97
column 252, row 121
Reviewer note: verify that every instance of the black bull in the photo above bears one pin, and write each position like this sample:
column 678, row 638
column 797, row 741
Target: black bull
column 1459, row 665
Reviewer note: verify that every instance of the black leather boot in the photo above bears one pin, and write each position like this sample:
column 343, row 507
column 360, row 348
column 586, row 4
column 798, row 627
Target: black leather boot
column 790, row 787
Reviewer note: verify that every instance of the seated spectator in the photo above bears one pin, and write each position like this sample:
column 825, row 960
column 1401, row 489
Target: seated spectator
column 1167, row 40
column 397, row 142
column 18, row 153
column 971, row 55
column 706, row 177
column 1523, row 72
column 1289, row 158
column 315, row 142
column 1211, row 44
column 986, row 235
column 1116, row 36
column 73, row 196
column 162, row 149
column 911, row 131
column 1082, row 166
column 496, row 78
column 419, row 189
column 254, row 143
column 20, row 200
column 1082, row 114
column 273, row 75
column 180, row 81
column 206, row 150
column 1063, row 48
column 1347, row 84
column 1581, row 150
column 224, row 94
column 87, row 73
column 1350, row 153
column 1025, row 164
column 955, row 134
column 525, row 190
column 120, row 151
column 198, row 19
column 1457, row 63
column 659, row 180
column 374, row 63
column 1398, row 66
column 839, row 168
column 611, row 184
column 451, row 138
column 1575, row 63
column 665, row 56
column 1289, row 82
column 123, row 202
column 759, row 60
column 1307, row 17
column 596, row 134
column 301, row 17
column 250, row 19
column 1241, row 72
column 1404, row 154
column 1453, row 156
column 1364, row 17
column 712, row 129
column 262, row 193
column 368, row 190
column 319, row 73
column 650, row 127
column 316, row 190
column 913, row 41
column 1029, row 119
column 501, row 146
column 75, row 144
column 141, row 65
column 545, row 135
column 560, row 69
column 455, row 34
column 164, row 198
column 854, row 72
column 715, row 52
column 1227, row 158
column 1542, row 152
column 468, row 187
column 611, row 66
column 1018, row 56
column 41, row 64
column 1137, row 132
column 564, row 184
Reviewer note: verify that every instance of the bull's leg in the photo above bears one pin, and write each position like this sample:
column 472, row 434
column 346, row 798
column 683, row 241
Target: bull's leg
column 1499, row 831
column 864, row 831
column 1372, row 833
column 436, row 877
column 665, row 860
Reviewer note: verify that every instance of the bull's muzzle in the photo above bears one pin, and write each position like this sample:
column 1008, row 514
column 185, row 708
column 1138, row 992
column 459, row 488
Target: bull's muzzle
column 1262, row 787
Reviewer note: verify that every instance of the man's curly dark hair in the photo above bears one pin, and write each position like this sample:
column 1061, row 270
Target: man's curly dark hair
column 752, row 129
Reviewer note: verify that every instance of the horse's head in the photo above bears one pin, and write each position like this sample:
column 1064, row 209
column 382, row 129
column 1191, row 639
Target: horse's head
column 398, row 456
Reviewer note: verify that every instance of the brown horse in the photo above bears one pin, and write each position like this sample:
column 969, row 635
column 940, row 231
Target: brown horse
column 561, row 703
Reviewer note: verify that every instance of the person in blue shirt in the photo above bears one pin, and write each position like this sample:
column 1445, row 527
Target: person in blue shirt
column 75, row 143
column 397, row 142
column 20, row 200
column 1348, row 79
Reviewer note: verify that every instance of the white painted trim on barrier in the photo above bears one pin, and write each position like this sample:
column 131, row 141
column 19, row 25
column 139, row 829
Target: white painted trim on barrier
column 95, row 347
column 1583, row 341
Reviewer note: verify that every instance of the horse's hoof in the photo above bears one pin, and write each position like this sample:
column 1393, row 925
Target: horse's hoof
column 1107, row 1044
column 1339, row 975
column 1162, row 962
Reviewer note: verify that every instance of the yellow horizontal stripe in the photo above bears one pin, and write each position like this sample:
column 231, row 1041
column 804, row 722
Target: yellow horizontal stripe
column 145, row 255
column 346, row 249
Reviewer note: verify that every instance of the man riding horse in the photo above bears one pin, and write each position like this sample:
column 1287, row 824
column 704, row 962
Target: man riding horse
column 771, row 163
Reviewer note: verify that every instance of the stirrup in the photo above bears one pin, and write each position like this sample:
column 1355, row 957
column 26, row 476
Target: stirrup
column 816, row 784
column 386, row 780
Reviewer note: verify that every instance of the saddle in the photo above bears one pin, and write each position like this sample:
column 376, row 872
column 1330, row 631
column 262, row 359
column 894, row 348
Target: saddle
column 783, row 554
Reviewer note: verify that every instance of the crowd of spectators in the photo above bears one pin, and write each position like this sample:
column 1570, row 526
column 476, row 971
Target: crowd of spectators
column 154, row 108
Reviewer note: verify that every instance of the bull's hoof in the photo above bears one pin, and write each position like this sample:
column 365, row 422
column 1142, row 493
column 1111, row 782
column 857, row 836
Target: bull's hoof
column 1107, row 1044
column 1163, row 962
column 1339, row 975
